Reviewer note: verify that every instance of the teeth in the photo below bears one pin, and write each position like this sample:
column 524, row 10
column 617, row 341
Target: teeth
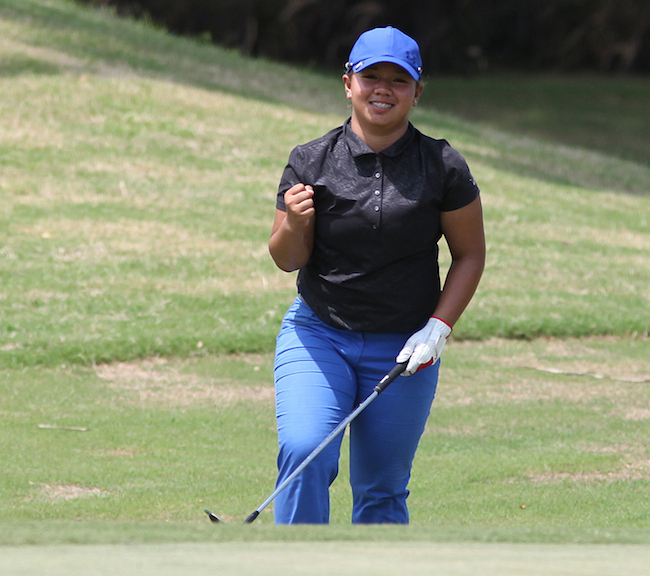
column 382, row 105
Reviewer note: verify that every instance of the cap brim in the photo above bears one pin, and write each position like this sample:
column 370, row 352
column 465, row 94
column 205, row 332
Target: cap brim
column 377, row 59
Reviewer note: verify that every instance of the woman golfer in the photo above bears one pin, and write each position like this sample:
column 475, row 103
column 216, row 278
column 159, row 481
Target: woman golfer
column 359, row 214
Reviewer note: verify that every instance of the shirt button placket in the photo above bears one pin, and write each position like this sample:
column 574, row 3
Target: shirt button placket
column 377, row 206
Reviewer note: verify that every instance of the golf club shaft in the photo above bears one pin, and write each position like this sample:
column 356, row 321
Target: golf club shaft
column 378, row 389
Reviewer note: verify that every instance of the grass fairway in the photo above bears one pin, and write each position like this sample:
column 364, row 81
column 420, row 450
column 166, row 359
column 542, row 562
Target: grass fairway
column 510, row 443
column 138, row 310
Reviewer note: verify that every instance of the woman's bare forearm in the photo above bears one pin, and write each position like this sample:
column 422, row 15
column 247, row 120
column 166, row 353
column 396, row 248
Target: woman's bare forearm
column 292, row 236
column 463, row 230
column 290, row 248
column 460, row 285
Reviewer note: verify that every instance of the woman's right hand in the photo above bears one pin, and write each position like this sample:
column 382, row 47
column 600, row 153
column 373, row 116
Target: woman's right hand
column 300, row 205
column 292, row 236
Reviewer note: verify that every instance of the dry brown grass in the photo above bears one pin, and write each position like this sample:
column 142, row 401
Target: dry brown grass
column 634, row 464
column 577, row 370
column 159, row 382
column 635, row 470
column 54, row 493
column 591, row 373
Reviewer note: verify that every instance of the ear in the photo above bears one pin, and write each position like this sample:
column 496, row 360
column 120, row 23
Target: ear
column 418, row 92
column 347, row 83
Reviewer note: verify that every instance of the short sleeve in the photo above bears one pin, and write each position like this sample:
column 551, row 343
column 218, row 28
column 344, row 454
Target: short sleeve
column 289, row 178
column 460, row 187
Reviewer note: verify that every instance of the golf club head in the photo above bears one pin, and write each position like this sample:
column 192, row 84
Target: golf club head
column 214, row 518
column 252, row 517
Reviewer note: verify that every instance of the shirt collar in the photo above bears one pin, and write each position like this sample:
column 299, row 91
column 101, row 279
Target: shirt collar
column 359, row 148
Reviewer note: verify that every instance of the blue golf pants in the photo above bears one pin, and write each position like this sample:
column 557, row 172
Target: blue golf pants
column 321, row 375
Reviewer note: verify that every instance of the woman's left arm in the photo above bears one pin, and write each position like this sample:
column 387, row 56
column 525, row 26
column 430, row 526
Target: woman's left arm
column 463, row 231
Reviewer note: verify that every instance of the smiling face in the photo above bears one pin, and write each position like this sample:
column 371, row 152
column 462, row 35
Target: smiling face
column 382, row 96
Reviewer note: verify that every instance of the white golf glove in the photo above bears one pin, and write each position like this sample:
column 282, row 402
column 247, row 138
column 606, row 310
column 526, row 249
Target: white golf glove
column 424, row 347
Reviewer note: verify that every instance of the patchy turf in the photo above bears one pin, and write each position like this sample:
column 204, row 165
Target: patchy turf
column 543, row 433
column 138, row 306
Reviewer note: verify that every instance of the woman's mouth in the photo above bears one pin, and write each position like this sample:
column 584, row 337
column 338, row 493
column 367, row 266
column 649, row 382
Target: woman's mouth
column 383, row 105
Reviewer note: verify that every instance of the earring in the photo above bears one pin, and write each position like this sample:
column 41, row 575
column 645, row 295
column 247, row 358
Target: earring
column 415, row 102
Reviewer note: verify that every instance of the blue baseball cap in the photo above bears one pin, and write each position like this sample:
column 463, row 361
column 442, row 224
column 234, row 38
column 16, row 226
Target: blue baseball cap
column 385, row 45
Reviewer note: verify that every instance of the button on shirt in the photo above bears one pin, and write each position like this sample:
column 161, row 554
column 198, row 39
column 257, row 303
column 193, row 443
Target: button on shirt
column 374, row 266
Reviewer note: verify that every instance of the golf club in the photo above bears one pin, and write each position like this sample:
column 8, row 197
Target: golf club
column 377, row 390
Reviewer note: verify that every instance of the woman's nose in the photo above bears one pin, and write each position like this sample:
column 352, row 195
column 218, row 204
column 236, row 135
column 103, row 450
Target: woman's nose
column 383, row 86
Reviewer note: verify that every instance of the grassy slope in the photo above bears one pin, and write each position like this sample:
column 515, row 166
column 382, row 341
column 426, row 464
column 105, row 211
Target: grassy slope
column 607, row 114
column 136, row 196
column 136, row 189
column 138, row 175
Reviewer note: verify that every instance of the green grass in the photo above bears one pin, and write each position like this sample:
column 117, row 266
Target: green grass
column 511, row 450
column 138, row 181
column 138, row 301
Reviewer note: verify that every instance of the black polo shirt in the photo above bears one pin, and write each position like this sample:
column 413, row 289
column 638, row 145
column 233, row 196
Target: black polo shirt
column 374, row 266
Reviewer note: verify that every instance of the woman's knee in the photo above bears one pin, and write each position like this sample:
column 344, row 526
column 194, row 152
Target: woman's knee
column 293, row 451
